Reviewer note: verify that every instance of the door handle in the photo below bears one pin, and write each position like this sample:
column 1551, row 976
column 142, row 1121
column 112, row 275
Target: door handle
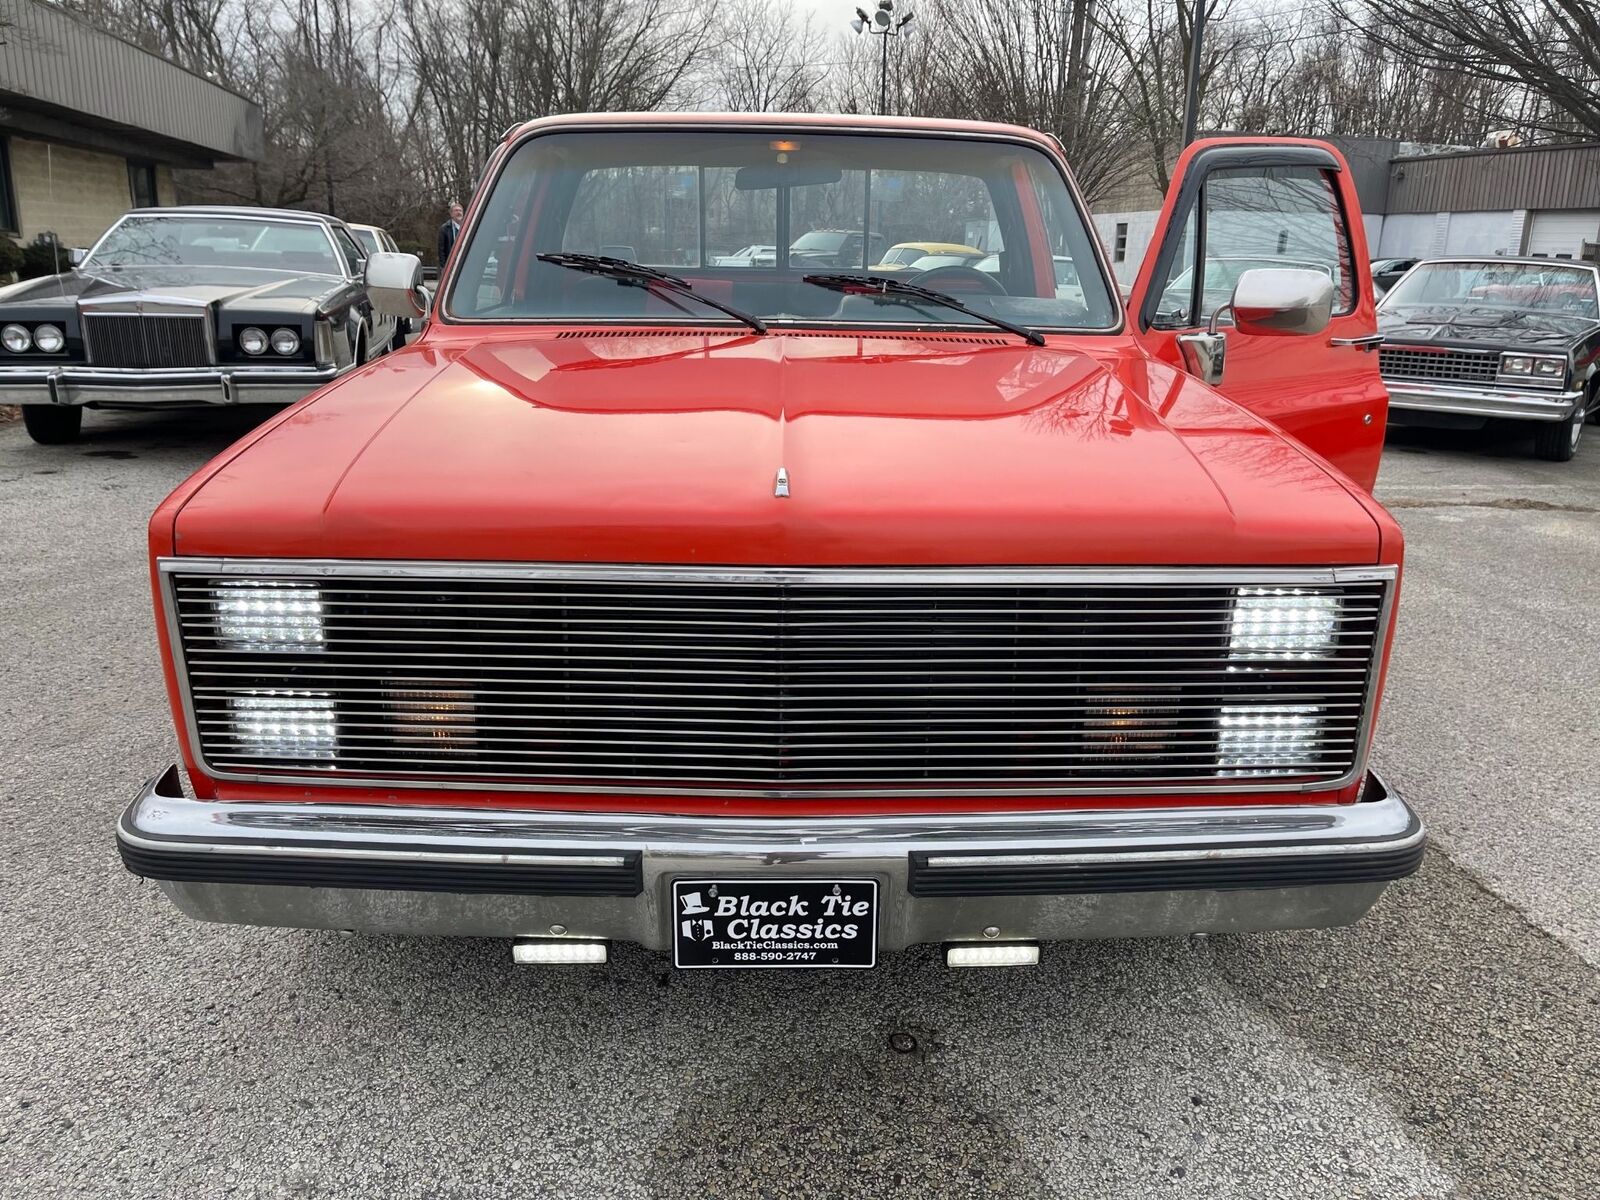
column 1367, row 342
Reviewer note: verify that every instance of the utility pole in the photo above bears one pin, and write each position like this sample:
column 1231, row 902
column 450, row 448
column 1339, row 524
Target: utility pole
column 1191, row 99
column 883, row 25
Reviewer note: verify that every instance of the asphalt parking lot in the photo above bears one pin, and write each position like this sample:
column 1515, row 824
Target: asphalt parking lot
column 1449, row 1045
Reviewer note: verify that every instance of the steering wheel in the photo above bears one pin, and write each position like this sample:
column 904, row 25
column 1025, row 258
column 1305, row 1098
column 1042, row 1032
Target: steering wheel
column 962, row 279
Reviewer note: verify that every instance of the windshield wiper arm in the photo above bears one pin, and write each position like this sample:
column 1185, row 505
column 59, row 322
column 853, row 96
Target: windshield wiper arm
column 632, row 274
column 883, row 287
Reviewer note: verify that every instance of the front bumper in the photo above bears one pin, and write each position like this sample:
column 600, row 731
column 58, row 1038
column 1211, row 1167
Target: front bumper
column 1518, row 404
column 108, row 387
column 1035, row 876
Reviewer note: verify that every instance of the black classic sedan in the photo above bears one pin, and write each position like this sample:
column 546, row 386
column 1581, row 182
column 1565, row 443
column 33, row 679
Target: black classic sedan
column 1467, row 340
column 177, row 307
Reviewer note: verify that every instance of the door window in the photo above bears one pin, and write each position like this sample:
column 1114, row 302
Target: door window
column 348, row 250
column 1249, row 218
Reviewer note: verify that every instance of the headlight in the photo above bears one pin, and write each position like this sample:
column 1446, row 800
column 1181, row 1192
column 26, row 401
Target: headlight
column 284, row 723
column 285, row 342
column 252, row 341
column 16, row 338
column 1541, row 368
column 48, row 339
column 1269, row 739
column 1283, row 623
column 267, row 617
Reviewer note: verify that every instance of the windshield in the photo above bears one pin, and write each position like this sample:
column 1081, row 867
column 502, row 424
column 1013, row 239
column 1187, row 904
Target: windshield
column 218, row 242
column 1569, row 291
column 697, row 204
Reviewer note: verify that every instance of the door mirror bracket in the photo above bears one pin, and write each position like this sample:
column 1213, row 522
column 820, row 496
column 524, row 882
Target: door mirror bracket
column 1205, row 354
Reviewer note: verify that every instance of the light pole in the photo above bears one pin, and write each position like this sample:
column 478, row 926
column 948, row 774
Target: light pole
column 884, row 25
column 1191, row 90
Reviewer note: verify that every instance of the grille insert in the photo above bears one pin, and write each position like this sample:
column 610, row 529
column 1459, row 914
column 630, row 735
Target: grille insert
column 134, row 340
column 1443, row 366
column 782, row 683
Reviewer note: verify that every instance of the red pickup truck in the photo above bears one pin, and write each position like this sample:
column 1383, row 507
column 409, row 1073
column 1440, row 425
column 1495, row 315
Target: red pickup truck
column 779, row 614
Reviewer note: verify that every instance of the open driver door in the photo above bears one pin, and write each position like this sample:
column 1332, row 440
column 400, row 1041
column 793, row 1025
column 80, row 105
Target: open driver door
column 1257, row 282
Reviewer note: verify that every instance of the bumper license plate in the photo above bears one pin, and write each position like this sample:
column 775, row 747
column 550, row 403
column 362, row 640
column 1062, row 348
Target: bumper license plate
column 750, row 923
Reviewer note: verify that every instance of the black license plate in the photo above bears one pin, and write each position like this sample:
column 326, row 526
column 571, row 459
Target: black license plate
column 754, row 923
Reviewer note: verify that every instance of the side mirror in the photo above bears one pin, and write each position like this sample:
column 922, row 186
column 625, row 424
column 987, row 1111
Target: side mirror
column 394, row 285
column 76, row 256
column 1282, row 302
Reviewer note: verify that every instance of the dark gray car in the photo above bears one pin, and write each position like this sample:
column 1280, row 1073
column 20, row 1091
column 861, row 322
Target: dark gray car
column 186, row 307
column 1467, row 340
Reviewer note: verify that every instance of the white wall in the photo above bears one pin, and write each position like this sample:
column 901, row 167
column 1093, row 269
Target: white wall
column 1486, row 232
column 1141, row 228
column 1424, row 235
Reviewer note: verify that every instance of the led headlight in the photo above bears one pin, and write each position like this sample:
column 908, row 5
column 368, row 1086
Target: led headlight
column 264, row 615
column 1268, row 739
column 252, row 340
column 16, row 338
column 1283, row 623
column 285, row 342
column 285, row 723
column 48, row 338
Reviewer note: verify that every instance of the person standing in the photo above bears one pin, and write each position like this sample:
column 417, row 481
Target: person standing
column 448, row 232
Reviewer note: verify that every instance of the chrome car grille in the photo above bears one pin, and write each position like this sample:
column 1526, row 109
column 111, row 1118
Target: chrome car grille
column 767, row 682
column 1440, row 366
column 134, row 340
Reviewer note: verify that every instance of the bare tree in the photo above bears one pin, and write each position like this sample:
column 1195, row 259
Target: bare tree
column 771, row 58
column 1547, row 49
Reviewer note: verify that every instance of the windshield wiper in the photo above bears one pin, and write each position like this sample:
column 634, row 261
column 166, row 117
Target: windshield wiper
column 632, row 274
column 884, row 288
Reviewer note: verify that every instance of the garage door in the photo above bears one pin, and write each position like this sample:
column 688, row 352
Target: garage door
column 1562, row 234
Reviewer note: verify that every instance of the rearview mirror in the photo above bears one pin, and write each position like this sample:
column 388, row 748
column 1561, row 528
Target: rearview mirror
column 764, row 176
column 394, row 284
column 1282, row 302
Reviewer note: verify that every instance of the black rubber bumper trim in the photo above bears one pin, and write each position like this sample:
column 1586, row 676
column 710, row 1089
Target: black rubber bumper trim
column 1303, row 870
column 491, row 878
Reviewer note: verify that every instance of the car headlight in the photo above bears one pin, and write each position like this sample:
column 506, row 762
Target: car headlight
column 1283, row 623
column 1543, row 368
column 49, row 339
column 252, row 340
column 284, row 723
column 16, row 338
column 269, row 617
column 285, row 342
column 1269, row 739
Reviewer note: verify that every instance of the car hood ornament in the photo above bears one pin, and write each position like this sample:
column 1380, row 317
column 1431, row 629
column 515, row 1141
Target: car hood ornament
column 781, row 488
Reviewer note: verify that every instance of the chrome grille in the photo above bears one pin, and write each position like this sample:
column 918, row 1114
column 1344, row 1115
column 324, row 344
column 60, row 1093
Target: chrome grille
column 1442, row 366
column 780, row 682
column 134, row 340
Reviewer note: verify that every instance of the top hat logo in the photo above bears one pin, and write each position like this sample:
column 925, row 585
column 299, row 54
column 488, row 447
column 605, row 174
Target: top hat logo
column 692, row 904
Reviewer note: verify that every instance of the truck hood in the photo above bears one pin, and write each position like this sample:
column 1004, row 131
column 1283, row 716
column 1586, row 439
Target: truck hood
column 626, row 447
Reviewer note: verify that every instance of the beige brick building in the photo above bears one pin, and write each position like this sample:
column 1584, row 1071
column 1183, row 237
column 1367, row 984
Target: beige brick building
column 91, row 125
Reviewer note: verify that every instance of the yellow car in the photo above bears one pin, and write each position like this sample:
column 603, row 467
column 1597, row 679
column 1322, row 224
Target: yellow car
column 904, row 255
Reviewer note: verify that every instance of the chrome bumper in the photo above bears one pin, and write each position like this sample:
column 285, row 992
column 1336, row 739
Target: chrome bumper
column 1035, row 876
column 112, row 387
column 1521, row 405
